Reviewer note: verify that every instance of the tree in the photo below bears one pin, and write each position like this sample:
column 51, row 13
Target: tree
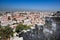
column 15, row 19
column 21, row 27
column 9, row 18
column 6, row 32
column 0, row 24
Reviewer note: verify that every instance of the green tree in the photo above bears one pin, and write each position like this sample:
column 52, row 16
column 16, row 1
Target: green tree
column 6, row 32
column 21, row 27
column 15, row 20
column 9, row 18
column 0, row 24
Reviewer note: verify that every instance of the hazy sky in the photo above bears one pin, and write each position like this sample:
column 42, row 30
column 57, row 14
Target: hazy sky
column 30, row 4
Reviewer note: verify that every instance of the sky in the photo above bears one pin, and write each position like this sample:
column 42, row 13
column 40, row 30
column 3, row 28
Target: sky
column 30, row 4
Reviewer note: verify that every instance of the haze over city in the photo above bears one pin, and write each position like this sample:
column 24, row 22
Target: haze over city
column 30, row 4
